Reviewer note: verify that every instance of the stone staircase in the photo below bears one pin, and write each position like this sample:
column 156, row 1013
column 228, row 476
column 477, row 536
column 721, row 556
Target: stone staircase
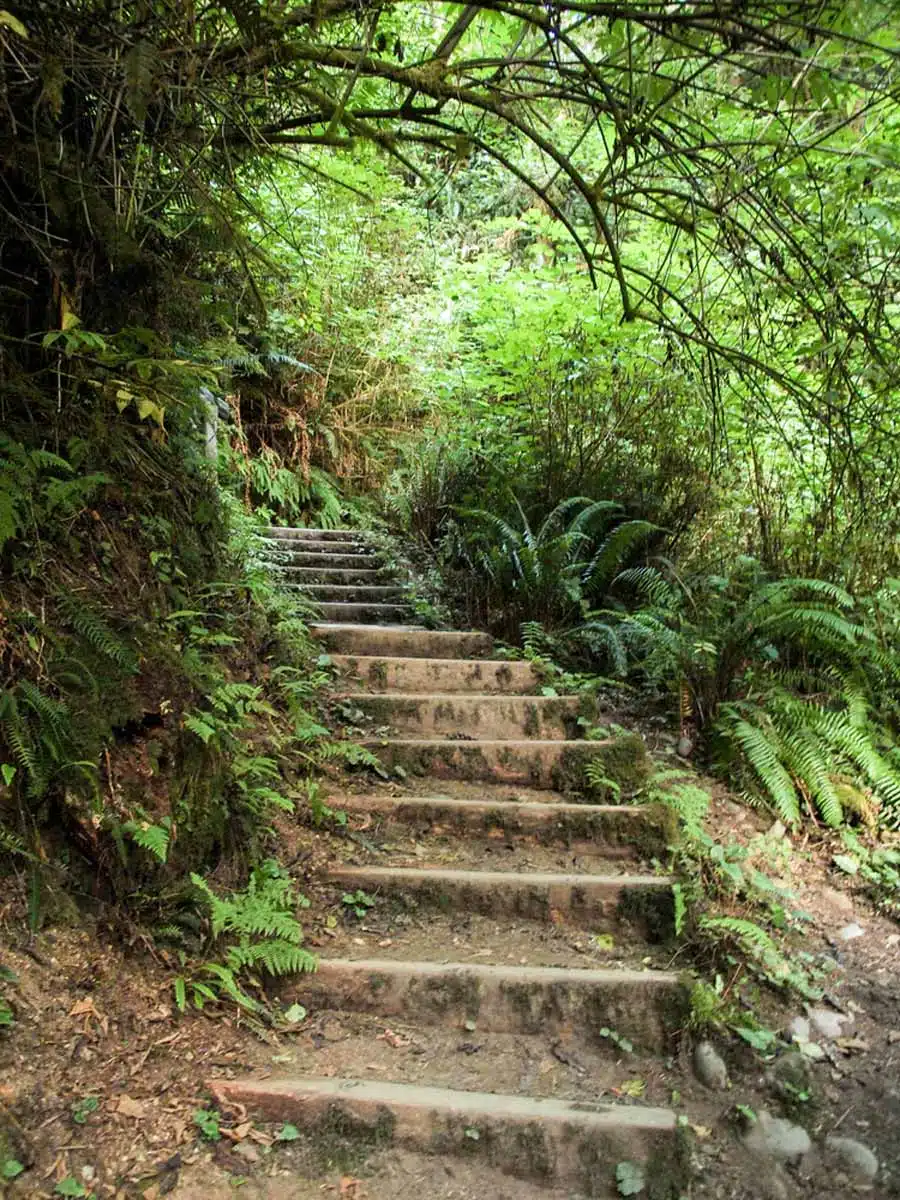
column 488, row 889
column 342, row 572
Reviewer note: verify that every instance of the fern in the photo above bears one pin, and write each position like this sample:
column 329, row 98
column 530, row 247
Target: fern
column 97, row 633
column 150, row 837
column 254, row 930
column 764, row 754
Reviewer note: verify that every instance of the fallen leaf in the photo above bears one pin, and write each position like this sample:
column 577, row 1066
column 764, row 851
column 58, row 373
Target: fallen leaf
column 633, row 1087
column 352, row 1188
column 128, row 1107
column 394, row 1040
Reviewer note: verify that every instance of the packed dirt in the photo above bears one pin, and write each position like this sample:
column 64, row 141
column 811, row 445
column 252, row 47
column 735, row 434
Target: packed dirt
column 102, row 1078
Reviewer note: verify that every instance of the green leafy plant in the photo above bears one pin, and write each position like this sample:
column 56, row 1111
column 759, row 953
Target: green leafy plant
column 208, row 1121
column 776, row 677
column 358, row 902
column 252, row 933
column 83, row 1108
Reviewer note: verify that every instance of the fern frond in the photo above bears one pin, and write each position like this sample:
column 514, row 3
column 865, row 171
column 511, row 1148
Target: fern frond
column 764, row 756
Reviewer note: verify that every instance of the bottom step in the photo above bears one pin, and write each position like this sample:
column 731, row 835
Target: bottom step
column 555, row 1141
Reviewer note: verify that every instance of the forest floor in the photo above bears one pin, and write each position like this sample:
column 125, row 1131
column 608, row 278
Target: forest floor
column 101, row 1077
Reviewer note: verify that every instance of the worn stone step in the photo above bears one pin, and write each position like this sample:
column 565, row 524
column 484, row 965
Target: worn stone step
column 551, row 763
column 289, row 546
column 341, row 576
column 556, row 1141
column 646, row 1007
column 491, row 717
column 419, row 675
column 645, row 900
column 355, row 593
column 639, row 830
column 366, row 612
column 282, row 532
column 406, row 642
column 330, row 562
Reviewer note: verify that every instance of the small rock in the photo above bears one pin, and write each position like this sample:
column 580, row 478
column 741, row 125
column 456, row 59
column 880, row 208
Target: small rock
column 826, row 1023
column 892, row 940
column 855, row 1158
column 849, row 932
column 777, row 1138
column 684, row 747
column 798, row 1030
column 893, row 1037
column 776, row 831
column 709, row 1066
column 837, row 899
column 790, row 1074
column 247, row 1151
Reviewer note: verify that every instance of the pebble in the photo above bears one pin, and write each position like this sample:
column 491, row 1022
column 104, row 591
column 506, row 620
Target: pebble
column 849, row 932
column 826, row 1023
column 837, row 899
column 777, row 1138
column 709, row 1066
column 247, row 1150
column 799, row 1030
column 854, row 1157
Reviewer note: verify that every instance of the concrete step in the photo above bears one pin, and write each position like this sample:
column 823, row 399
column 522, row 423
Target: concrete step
column 422, row 675
column 554, row 764
column 354, row 593
column 328, row 561
column 367, row 613
column 644, row 900
column 635, row 830
column 491, row 717
column 559, row 1142
column 406, row 642
column 291, row 545
column 283, row 533
column 646, row 1007
column 341, row 576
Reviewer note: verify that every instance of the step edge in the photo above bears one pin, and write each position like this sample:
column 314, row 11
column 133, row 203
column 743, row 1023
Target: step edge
column 589, row 976
column 437, row 1099
column 521, row 878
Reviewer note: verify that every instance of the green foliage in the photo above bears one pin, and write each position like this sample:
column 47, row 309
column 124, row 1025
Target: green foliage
column 726, row 907
column 83, row 1108
column 253, row 933
column 779, row 677
column 358, row 903
column 548, row 574
column 208, row 1121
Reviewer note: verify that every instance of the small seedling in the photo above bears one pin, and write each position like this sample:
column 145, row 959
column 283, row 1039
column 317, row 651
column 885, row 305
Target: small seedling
column 207, row 1121
column 11, row 1168
column 83, row 1108
column 630, row 1178
column 287, row 1133
column 71, row 1187
column 623, row 1043
column 359, row 902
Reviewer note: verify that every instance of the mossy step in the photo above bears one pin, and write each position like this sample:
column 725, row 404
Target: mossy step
column 483, row 716
column 643, row 1006
column 552, row 763
column 282, row 532
column 354, row 593
column 639, row 831
column 329, row 561
column 420, row 675
column 557, row 1142
column 366, row 612
column 586, row 899
column 406, row 642
column 342, row 576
